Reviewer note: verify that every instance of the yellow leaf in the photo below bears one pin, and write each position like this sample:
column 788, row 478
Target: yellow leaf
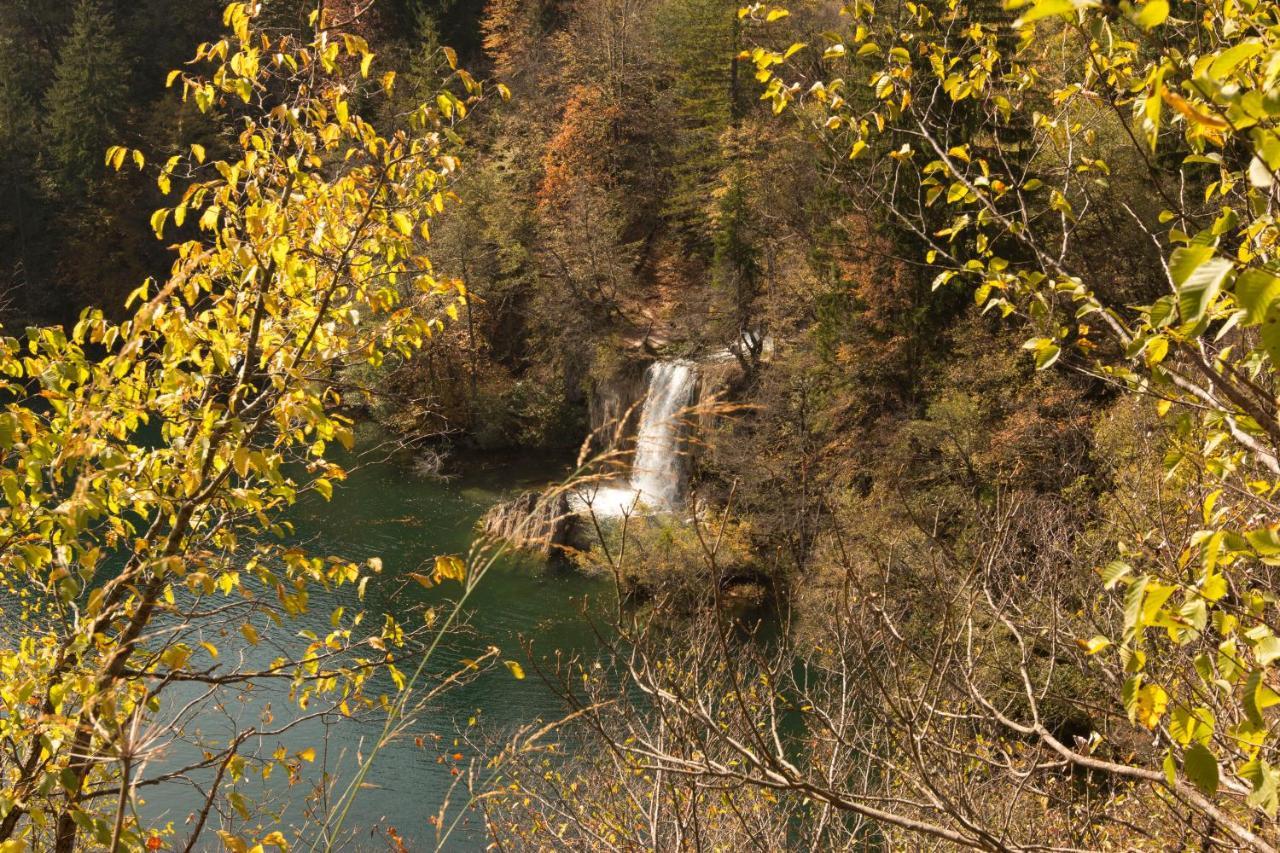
column 175, row 657
column 403, row 223
column 516, row 669
column 451, row 568
column 1152, row 14
column 365, row 62
column 1152, row 703
column 1094, row 644
column 422, row 579
column 250, row 633
column 198, row 151
column 308, row 755
column 157, row 222
column 209, row 220
column 240, row 461
column 1189, row 111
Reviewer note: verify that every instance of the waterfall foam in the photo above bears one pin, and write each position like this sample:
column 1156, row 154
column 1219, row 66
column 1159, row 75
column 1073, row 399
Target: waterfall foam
column 659, row 469
column 658, row 472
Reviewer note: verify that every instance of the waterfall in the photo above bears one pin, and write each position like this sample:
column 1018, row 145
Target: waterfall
column 659, row 469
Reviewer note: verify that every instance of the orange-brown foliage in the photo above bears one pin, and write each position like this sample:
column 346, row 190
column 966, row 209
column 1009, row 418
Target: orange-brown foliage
column 507, row 26
column 575, row 156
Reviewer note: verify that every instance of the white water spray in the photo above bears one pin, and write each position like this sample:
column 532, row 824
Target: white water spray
column 658, row 472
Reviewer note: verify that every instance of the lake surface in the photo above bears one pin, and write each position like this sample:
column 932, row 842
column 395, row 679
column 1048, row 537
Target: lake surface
column 388, row 509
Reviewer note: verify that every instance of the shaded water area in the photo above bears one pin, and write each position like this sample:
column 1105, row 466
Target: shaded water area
column 389, row 510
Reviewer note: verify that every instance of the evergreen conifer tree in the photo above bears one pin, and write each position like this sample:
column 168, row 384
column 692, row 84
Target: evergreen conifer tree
column 85, row 101
column 699, row 37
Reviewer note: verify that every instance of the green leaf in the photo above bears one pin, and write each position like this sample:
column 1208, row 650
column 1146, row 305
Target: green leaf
column 240, row 804
column 1201, row 768
column 1269, row 334
column 1200, row 286
column 1113, row 572
column 1156, row 596
column 1265, row 541
column 1265, row 794
column 1184, row 261
column 1267, row 650
column 1046, row 351
column 1256, row 290
column 1187, row 725
column 1232, row 57
column 1257, row 698
column 1133, row 608
column 1129, row 695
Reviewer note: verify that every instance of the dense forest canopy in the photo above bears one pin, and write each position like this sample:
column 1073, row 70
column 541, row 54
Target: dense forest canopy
column 919, row 359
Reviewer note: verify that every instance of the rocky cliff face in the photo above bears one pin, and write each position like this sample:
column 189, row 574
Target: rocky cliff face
column 614, row 410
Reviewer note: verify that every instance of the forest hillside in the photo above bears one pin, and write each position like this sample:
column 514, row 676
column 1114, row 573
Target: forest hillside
column 898, row 379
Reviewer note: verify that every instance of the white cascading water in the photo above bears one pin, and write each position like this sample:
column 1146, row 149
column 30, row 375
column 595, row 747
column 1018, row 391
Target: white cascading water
column 659, row 467
column 658, row 471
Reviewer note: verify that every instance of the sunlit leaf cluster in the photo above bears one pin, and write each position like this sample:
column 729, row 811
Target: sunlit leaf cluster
column 999, row 128
column 144, row 464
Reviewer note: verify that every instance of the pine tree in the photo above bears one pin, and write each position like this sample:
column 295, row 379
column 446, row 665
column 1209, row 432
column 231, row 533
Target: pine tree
column 17, row 169
column 737, row 255
column 426, row 68
column 699, row 40
column 84, row 104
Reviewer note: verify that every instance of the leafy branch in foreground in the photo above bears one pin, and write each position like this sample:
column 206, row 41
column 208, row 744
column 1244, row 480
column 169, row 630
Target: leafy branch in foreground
column 990, row 135
column 145, row 464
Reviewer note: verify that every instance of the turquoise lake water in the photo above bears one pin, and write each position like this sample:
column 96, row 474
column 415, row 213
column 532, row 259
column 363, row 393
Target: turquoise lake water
column 387, row 509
